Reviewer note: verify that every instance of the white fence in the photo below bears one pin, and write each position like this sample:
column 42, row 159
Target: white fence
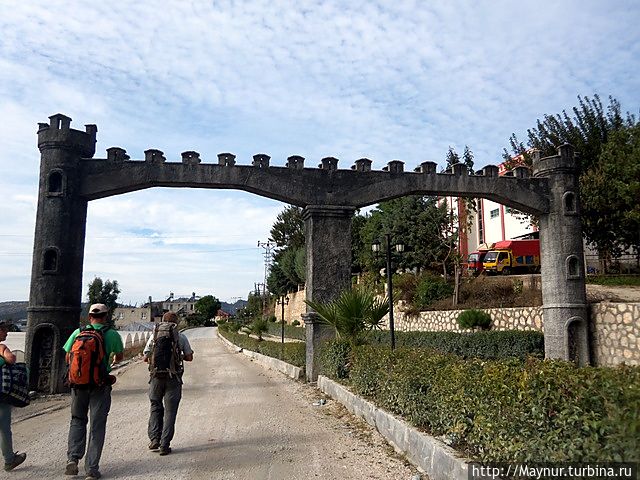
column 16, row 340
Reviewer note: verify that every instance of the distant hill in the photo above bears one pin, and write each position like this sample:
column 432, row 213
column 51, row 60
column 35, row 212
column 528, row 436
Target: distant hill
column 13, row 310
column 232, row 308
column 18, row 310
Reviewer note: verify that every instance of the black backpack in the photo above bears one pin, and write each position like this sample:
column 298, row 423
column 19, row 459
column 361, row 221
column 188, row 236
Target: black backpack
column 165, row 360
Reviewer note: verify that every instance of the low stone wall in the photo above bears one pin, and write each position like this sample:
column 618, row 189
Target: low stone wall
column 615, row 327
column 615, row 331
column 522, row 318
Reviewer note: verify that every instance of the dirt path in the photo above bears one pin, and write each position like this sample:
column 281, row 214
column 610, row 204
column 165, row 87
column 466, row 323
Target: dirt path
column 236, row 421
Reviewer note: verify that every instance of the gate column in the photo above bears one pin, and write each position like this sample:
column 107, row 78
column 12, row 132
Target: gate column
column 58, row 250
column 328, row 249
column 561, row 254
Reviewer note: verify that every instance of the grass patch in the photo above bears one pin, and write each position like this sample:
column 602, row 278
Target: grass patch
column 614, row 280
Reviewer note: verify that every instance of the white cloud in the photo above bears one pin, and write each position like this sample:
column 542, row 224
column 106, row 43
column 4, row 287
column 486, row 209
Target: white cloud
column 386, row 80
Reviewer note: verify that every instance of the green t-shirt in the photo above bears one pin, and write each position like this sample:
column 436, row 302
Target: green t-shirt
column 112, row 343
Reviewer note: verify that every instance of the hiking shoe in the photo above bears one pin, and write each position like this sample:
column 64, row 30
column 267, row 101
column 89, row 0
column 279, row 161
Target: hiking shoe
column 18, row 458
column 154, row 445
column 72, row 468
column 93, row 476
column 165, row 450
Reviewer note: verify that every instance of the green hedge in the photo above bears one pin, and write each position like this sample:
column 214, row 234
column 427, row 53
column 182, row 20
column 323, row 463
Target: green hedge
column 293, row 352
column 487, row 345
column 507, row 410
column 289, row 331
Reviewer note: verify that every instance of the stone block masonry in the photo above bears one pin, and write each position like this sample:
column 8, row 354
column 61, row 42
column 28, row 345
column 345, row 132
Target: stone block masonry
column 614, row 327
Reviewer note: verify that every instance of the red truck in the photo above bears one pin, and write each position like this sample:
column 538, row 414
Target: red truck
column 513, row 256
column 475, row 259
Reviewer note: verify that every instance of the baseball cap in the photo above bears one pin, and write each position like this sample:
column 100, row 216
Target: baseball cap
column 98, row 309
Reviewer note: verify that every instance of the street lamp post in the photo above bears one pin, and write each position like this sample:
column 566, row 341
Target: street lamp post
column 399, row 246
column 283, row 300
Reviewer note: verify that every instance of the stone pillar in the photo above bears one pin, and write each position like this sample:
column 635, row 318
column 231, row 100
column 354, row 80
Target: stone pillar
column 328, row 244
column 563, row 276
column 58, row 250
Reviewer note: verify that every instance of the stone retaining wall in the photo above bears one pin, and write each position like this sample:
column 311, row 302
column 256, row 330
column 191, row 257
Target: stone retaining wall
column 295, row 308
column 523, row 318
column 615, row 331
column 615, row 327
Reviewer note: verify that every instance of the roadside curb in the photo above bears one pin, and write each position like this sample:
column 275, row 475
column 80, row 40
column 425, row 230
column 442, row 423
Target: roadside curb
column 269, row 362
column 436, row 459
column 429, row 454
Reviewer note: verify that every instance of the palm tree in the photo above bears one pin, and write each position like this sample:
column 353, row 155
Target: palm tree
column 353, row 315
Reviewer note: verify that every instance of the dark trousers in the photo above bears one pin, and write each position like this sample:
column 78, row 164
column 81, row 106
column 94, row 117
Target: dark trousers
column 165, row 395
column 96, row 401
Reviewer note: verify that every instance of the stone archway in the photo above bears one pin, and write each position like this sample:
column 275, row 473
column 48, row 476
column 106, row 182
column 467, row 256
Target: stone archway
column 70, row 177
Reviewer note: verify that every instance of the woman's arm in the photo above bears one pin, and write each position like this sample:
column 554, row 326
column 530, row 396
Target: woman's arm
column 7, row 354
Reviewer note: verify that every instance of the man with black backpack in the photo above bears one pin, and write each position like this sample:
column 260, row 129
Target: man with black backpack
column 164, row 352
column 89, row 353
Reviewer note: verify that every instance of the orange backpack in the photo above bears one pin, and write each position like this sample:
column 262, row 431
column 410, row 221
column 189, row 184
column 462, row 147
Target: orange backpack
column 86, row 359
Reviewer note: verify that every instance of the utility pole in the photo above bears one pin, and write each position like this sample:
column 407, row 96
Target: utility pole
column 268, row 247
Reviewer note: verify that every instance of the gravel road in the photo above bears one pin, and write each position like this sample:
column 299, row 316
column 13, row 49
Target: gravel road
column 236, row 421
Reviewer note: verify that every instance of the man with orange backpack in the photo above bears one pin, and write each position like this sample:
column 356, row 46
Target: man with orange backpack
column 89, row 351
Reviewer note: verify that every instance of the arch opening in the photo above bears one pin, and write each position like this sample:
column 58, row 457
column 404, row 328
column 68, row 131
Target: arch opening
column 55, row 183
column 50, row 263
column 569, row 203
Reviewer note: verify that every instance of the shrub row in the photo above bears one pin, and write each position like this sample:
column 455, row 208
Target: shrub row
column 486, row 345
column 289, row 331
column 293, row 352
column 507, row 410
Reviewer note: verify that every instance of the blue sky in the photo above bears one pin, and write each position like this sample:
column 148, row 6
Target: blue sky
column 382, row 79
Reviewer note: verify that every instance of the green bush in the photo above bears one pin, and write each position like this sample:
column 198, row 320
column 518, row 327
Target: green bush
column 334, row 359
column 474, row 318
column 272, row 318
column 508, row 410
column 295, row 323
column 430, row 289
column 293, row 352
column 229, row 326
column 486, row 345
column 258, row 327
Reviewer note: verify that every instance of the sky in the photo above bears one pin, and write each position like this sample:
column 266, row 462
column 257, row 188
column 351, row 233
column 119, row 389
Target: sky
column 379, row 79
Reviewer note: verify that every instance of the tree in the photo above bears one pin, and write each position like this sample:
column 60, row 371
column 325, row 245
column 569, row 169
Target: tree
column 288, row 267
column 104, row 292
column 589, row 130
column 353, row 315
column 460, row 220
column 252, row 309
column 407, row 219
column 611, row 194
column 288, row 229
column 208, row 306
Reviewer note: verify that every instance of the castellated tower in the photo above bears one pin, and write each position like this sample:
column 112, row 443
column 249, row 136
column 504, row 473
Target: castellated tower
column 58, row 250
